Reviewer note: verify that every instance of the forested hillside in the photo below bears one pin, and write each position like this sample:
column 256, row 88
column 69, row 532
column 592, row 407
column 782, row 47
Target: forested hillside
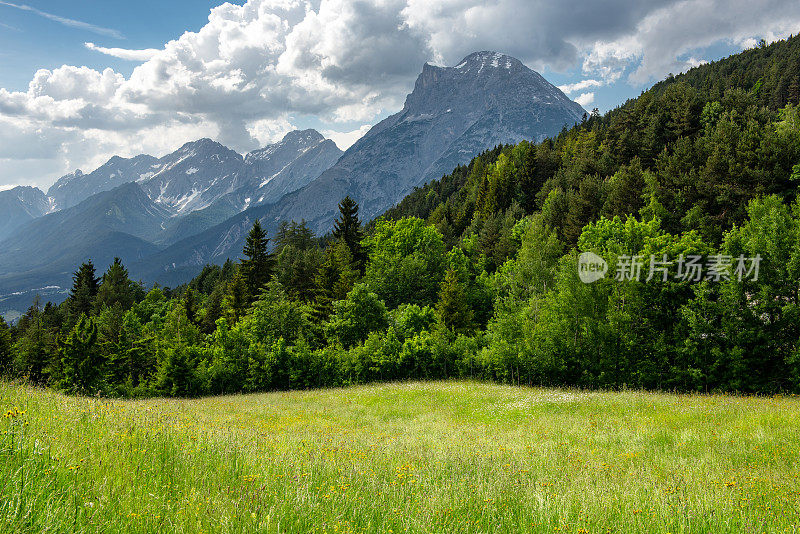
column 695, row 148
column 477, row 274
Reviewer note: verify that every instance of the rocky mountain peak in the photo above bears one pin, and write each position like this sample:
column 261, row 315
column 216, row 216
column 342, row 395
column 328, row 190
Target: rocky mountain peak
column 481, row 81
column 205, row 146
column 306, row 137
column 486, row 60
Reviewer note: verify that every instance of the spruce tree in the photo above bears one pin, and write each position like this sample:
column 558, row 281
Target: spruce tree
column 452, row 310
column 347, row 228
column 213, row 311
column 794, row 92
column 5, row 347
column 257, row 264
column 84, row 290
column 334, row 279
column 81, row 360
column 190, row 304
column 238, row 299
column 117, row 288
column 32, row 350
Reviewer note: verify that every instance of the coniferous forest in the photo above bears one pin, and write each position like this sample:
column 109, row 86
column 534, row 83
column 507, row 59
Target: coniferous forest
column 476, row 274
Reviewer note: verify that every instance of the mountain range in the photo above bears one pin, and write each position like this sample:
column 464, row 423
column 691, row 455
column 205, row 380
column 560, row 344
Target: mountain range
column 20, row 205
column 167, row 217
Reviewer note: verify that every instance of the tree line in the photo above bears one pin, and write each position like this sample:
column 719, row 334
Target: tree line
column 475, row 274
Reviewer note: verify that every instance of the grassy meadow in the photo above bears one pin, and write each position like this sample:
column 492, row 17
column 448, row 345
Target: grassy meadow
column 405, row 457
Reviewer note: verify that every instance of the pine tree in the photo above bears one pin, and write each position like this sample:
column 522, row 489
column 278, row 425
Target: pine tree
column 84, row 290
column 238, row 299
column 347, row 228
column 258, row 262
column 81, row 360
column 32, row 350
column 794, row 91
column 117, row 288
column 5, row 347
column 334, row 279
column 452, row 310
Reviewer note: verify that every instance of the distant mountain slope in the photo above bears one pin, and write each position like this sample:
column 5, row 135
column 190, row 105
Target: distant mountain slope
column 182, row 260
column 76, row 187
column 130, row 207
column 119, row 222
column 20, row 205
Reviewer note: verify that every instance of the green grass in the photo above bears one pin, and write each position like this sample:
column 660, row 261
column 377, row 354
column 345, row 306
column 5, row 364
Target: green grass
column 413, row 457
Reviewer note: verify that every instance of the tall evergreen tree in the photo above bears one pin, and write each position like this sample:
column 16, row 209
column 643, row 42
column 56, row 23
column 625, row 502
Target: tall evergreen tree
column 334, row 279
column 347, row 228
column 190, row 303
column 5, row 347
column 32, row 349
column 213, row 311
column 258, row 262
column 84, row 290
column 453, row 310
column 794, row 91
column 81, row 360
column 118, row 288
column 238, row 298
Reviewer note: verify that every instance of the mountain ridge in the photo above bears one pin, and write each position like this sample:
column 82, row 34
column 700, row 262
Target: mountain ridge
column 201, row 172
column 491, row 109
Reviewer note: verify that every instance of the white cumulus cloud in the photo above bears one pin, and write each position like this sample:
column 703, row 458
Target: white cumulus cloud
column 255, row 70
column 584, row 99
column 345, row 140
column 579, row 86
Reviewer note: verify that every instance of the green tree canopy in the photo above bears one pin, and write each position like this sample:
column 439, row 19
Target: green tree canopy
column 81, row 359
column 407, row 262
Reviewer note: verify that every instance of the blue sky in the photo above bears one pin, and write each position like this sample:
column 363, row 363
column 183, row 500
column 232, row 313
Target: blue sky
column 158, row 74
column 29, row 41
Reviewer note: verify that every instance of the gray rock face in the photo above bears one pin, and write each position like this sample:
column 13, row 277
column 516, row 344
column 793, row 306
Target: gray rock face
column 193, row 177
column 452, row 114
column 265, row 176
column 278, row 169
column 19, row 206
column 76, row 187
column 287, row 166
